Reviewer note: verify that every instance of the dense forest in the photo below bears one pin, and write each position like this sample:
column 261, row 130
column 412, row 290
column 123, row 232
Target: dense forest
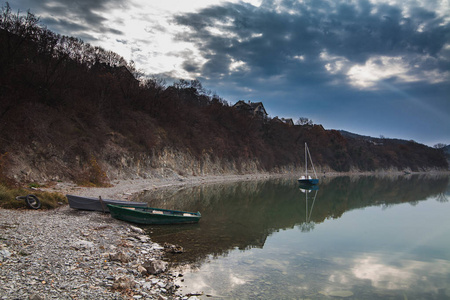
column 69, row 110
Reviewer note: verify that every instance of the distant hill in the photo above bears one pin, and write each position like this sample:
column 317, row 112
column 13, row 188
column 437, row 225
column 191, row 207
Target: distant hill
column 375, row 140
column 71, row 111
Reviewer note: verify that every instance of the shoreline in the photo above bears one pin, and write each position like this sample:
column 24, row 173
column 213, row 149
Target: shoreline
column 125, row 189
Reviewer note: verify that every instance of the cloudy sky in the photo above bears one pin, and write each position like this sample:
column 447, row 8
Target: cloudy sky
column 372, row 67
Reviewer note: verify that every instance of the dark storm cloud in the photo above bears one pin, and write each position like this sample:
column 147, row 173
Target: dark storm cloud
column 73, row 17
column 84, row 10
column 288, row 39
column 63, row 24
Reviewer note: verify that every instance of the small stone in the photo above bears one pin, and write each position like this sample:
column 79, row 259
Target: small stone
column 173, row 248
column 4, row 254
column 147, row 285
column 119, row 256
column 142, row 270
column 155, row 266
column 82, row 244
column 36, row 297
column 137, row 229
column 143, row 238
column 123, row 283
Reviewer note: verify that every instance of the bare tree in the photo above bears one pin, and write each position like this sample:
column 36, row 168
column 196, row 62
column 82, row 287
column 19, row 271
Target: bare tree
column 439, row 146
column 304, row 121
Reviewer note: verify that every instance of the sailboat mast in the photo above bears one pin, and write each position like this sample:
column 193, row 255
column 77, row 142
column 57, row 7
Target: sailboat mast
column 315, row 174
column 308, row 179
column 306, row 161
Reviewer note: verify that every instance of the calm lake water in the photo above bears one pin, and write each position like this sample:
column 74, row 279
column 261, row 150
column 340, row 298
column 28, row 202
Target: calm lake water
column 353, row 238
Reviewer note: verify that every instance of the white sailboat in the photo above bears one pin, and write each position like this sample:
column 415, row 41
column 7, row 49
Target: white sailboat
column 306, row 179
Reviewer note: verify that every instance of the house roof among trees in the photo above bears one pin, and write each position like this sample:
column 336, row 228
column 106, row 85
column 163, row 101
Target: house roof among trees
column 256, row 108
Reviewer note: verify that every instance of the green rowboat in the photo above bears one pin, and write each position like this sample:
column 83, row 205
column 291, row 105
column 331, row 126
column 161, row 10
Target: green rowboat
column 149, row 215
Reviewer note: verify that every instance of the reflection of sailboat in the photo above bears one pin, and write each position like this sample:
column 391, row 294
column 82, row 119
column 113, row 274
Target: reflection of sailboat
column 308, row 225
column 306, row 179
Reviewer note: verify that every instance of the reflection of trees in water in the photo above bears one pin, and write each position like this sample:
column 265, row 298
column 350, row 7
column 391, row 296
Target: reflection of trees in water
column 307, row 226
column 442, row 198
column 347, row 193
column 242, row 215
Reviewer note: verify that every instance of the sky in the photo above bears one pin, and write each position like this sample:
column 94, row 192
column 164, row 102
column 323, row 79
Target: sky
column 371, row 67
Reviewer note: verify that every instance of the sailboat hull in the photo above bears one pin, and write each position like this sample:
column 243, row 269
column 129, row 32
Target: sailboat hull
column 309, row 181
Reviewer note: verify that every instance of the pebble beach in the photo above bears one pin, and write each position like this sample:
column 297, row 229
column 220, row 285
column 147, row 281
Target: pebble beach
column 71, row 254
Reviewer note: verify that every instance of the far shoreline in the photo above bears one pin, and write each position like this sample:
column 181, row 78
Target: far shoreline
column 125, row 188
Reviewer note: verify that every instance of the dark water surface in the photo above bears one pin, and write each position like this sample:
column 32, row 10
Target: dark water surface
column 354, row 238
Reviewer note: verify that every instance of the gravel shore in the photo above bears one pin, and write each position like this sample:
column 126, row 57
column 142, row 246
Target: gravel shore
column 124, row 189
column 70, row 254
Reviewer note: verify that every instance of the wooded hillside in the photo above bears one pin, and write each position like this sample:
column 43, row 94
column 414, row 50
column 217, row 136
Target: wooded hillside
column 69, row 110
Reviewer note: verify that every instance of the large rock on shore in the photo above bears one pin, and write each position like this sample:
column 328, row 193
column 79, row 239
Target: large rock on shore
column 155, row 266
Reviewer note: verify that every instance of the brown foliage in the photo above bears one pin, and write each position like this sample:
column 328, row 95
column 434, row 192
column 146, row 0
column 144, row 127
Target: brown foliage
column 58, row 92
column 4, row 178
column 93, row 175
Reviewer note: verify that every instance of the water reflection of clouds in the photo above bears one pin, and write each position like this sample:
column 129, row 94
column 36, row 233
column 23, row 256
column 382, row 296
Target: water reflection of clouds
column 403, row 273
column 381, row 271
column 382, row 275
column 234, row 280
column 365, row 250
column 224, row 272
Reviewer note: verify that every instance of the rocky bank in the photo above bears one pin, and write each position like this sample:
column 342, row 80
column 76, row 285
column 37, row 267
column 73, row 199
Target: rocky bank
column 71, row 254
